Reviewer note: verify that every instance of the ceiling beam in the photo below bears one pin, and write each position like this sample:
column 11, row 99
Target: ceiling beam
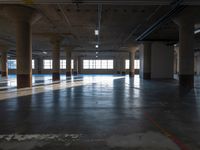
column 110, row 2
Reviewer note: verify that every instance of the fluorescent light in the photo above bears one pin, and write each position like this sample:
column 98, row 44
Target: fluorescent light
column 97, row 52
column 97, row 46
column 96, row 32
column 96, row 56
column 197, row 31
column 44, row 52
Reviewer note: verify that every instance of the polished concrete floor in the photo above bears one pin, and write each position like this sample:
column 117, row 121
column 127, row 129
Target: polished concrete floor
column 100, row 112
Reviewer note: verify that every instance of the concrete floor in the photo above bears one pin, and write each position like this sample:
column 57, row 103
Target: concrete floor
column 102, row 112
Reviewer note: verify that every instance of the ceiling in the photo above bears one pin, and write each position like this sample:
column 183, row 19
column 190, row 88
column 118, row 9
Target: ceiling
column 120, row 23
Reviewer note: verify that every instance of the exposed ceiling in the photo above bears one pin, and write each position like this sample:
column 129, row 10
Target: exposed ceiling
column 120, row 23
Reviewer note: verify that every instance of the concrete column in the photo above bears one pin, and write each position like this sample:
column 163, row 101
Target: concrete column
column 68, row 62
column 146, row 61
column 23, row 17
column 186, row 58
column 117, row 64
column 4, row 66
column 122, row 66
column 40, row 65
column 186, row 51
column 80, row 65
column 56, row 41
column 132, row 60
column 177, row 60
column 75, row 70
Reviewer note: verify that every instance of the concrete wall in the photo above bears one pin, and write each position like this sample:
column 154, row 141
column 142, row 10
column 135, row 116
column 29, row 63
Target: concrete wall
column 162, row 62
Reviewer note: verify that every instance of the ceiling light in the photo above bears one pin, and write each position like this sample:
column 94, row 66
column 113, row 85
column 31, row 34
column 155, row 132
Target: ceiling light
column 44, row 52
column 197, row 31
column 97, row 46
column 97, row 52
column 96, row 56
column 96, row 32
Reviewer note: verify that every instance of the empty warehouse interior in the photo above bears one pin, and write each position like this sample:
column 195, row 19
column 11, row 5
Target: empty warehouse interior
column 98, row 74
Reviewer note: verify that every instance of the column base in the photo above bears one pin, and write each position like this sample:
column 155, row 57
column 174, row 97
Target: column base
column 186, row 80
column 123, row 73
column 75, row 73
column 118, row 72
column 24, row 80
column 68, row 73
column 131, row 74
column 147, row 76
column 56, row 76
column 4, row 74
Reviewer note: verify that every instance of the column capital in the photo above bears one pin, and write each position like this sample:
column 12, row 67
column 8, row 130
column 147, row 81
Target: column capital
column 69, row 48
column 4, row 48
column 56, row 39
column 187, row 17
column 133, row 49
column 21, row 13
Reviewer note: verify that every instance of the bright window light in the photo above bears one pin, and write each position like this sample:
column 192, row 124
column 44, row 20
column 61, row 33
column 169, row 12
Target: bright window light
column 97, row 64
column 63, row 64
column 47, row 64
column 136, row 64
column 12, row 64
column 33, row 64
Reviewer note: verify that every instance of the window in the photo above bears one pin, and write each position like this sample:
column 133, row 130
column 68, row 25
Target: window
column 136, row 64
column 86, row 64
column 33, row 64
column 47, row 64
column 12, row 64
column 63, row 64
column 97, row 64
column 72, row 64
column 127, row 64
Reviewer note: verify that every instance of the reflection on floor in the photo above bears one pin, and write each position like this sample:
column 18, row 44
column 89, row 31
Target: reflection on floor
column 100, row 112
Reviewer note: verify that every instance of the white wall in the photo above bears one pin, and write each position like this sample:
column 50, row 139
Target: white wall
column 162, row 59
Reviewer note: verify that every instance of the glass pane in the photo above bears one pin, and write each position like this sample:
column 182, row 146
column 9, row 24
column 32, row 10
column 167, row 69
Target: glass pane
column 12, row 64
column 137, row 64
column 127, row 64
column 92, row 64
column 72, row 64
column 110, row 64
column 104, row 64
column 85, row 64
column 98, row 64
column 33, row 64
